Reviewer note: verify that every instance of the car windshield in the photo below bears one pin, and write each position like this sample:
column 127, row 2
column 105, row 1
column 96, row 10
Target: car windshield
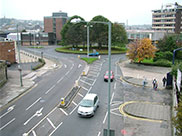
column 107, row 74
column 86, row 103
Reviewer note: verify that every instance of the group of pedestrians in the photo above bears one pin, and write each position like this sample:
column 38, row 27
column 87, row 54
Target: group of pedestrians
column 155, row 83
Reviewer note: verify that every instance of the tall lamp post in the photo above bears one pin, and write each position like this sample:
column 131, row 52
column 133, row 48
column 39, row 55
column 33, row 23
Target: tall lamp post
column 109, row 80
column 19, row 66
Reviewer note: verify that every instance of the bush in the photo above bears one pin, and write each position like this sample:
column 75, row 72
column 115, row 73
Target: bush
column 41, row 64
column 175, row 67
column 163, row 62
column 163, row 55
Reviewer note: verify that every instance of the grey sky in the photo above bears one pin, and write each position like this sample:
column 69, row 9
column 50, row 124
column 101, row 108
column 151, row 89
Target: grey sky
column 135, row 11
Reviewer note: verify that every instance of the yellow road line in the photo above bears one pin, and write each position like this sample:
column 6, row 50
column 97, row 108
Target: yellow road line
column 133, row 117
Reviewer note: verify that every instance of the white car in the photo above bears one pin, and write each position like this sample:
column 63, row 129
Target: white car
column 88, row 105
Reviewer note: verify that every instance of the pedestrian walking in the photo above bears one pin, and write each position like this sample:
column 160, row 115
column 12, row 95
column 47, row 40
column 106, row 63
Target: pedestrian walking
column 164, row 80
column 155, row 84
column 144, row 82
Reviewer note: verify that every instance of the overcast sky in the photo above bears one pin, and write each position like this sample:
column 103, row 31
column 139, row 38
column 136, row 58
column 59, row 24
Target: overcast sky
column 137, row 12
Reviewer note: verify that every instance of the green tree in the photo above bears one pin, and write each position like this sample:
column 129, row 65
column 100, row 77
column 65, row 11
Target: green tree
column 119, row 36
column 64, row 35
column 99, row 32
column 168, row 43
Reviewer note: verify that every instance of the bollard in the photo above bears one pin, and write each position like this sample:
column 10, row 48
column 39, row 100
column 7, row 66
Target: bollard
column 76, row 83
column 84, row 72
column 62, row 101
column 78, row 56
column 99, row 57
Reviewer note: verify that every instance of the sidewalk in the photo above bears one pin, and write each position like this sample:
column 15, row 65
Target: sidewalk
column 12, row 89
column 149, row 114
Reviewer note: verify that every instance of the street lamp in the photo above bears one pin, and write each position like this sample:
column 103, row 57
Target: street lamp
column 19, row 66
column 109, row 56
column 88, row 32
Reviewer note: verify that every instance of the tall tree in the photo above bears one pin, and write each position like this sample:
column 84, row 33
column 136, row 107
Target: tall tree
column 168, row 43
column 66, row 27
column 119, row 36
column 132, row 50
column 99, row 31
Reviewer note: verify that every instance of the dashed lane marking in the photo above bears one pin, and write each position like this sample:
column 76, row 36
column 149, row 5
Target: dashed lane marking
column 51, row 123
column 7, row 124
column 63, row 111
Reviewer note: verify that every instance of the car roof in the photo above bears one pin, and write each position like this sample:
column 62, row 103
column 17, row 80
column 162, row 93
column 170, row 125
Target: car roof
column 90, row 96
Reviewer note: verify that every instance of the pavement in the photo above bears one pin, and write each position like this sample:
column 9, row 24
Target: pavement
column 150, row 113
column 13, row 89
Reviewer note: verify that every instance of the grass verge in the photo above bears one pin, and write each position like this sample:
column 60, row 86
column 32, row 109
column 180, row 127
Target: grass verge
column 104, row 50
column 89, row 60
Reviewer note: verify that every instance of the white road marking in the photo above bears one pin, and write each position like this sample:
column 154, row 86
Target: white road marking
column 74, row 103
column 34, row 134
column 33, row 103
column 85, row 88
column 86, row 82
column 88, row 78
column 105, row 118
column 94, row 82
column 38, row 113
column 64, row 111
column 73, row 110
column 51, row 123
column 115, row 85
column 60, row 80
column 55, row 129
column 67, row 72
column 80, row 94
column 112, row 97
column 50, row 89
column 7, row 124
column 41, row 121
column 65, row 65
column 99, row 133
column 79, row 65
column 8, row 110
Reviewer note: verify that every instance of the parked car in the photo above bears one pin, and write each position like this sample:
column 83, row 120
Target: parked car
column 88, row 105
column 94, row 53
column 106, row 76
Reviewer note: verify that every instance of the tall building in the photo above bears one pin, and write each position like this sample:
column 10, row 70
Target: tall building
column 168, row 18
column 53, row 24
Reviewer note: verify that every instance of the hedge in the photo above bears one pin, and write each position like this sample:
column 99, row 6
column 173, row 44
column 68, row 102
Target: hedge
column 41, row 64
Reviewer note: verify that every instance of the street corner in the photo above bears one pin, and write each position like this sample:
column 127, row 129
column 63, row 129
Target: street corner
column 145, row 111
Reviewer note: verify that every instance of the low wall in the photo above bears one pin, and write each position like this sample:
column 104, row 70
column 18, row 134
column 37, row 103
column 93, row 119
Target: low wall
column 3, row 74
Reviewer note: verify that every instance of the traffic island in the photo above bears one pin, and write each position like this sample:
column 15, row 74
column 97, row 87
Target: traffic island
column 65, row 102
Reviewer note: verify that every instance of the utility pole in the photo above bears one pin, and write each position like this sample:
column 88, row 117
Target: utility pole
column 19, row 66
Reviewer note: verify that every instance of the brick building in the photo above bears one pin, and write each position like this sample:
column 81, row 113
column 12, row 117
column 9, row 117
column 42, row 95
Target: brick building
column 7, row 51
column 53, row 24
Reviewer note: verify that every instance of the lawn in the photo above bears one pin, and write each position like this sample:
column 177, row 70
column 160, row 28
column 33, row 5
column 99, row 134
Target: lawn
column 89, row 60
column 83, row 50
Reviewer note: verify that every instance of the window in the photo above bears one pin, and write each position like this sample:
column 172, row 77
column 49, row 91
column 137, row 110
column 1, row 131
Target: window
column 95, row 100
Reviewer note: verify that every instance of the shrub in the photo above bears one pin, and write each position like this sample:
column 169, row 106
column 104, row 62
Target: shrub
column 163, row 55
column 41, row 64
column 163, row 62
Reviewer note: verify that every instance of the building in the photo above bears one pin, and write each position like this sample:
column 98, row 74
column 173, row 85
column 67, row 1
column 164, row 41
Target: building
column 140, row 34
column 7, row 51
column 35, row 38
column 53, row 24
column 168, row 18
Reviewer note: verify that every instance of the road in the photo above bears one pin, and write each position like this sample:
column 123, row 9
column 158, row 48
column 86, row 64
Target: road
column 31, row 108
